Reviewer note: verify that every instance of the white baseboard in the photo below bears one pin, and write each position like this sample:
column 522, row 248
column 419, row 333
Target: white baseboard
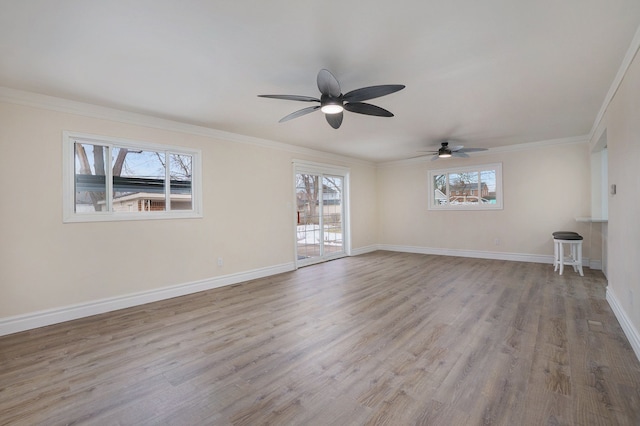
column 364, row 250
column 627, row 326
column 33, row 320
column 594, row 264
column 516, row 257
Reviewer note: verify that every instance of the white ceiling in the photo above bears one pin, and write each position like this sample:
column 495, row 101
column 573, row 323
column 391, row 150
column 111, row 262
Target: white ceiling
column 480, row 73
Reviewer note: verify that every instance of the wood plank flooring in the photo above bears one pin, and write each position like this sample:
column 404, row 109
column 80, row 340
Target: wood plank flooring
column 379, row 339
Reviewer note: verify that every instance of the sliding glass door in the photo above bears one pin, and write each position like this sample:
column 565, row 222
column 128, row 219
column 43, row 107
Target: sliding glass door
column 320, row 215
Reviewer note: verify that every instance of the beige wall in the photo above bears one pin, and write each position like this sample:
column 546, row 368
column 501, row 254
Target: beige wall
column 545, row 189
column 622, row 126
column 45, row 264
column 248, row 216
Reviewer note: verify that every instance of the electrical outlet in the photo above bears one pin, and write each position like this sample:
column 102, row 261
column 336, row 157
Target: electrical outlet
column 496, row 241
column 220, row 261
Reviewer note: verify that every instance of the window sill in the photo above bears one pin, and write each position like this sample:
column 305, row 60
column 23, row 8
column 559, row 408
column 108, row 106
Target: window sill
column 111, row 217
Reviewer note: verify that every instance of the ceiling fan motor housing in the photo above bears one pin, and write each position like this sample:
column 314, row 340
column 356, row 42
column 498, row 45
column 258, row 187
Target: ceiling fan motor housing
column 444, row 150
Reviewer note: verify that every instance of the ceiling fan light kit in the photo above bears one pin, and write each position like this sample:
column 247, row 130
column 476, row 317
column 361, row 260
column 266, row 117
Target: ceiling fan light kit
column 333, row 102
column 331, row 105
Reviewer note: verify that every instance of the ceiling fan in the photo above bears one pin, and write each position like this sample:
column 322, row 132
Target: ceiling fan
column 333, row 102
column 446, row 151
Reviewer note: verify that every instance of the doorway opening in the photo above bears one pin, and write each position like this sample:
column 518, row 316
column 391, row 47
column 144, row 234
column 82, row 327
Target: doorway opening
column 321, row 219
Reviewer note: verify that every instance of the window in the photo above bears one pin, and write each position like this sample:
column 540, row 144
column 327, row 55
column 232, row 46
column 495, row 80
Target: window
column 466, row 188
column 110, row 179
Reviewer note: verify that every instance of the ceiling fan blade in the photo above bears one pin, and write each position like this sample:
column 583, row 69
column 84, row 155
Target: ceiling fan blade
column 371, row 92
column 456, row 148
column 328, row 84
column 472, row 149
column 367, row 109
column 458, row 154
column 435, row 157
column 334, row 120
column 291, row 98
column 299, row 113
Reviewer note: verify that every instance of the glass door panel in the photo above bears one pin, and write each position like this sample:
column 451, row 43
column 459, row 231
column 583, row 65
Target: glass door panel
column 308, row 220
column 320, row 214
column 332, row 215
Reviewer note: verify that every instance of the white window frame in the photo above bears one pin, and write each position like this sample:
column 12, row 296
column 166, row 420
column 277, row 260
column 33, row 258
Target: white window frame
column 497, row 167
column 69, row 213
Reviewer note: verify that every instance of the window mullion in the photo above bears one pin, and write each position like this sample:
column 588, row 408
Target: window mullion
column 448, row 192
column 321, row 212
column 109, row 179
column 167, row 181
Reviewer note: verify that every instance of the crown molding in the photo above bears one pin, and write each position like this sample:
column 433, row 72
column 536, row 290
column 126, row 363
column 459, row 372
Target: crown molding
column 632, row 51
column 536, row 145
column 36, row 100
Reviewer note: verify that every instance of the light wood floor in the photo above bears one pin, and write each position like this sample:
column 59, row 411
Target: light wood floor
column 382, row 338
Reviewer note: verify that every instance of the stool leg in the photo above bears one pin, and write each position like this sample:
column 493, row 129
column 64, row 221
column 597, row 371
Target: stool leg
column 561, row 257
column 555, row 255
column 579, row 260
column 574, row 257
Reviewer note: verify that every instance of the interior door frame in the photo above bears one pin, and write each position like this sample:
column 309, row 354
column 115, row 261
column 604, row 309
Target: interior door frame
column 322, row 169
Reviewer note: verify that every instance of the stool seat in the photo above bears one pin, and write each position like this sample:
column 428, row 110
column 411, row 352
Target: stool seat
column 574, row 241
column 568, row 237
column 560, row 233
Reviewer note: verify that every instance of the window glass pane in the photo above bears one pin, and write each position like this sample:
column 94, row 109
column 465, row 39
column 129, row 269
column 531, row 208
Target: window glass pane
column 89, row 177
column 463, row 187
column 440, row 190
column 488, row 185
column 180, row 171
column 138, row 180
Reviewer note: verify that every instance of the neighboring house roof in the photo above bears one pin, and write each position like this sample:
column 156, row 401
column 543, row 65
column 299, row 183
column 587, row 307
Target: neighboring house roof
column 466, row 186
column 149, row 196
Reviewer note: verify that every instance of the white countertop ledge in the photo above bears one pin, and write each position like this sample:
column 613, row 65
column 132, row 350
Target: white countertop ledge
column 591, row 219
